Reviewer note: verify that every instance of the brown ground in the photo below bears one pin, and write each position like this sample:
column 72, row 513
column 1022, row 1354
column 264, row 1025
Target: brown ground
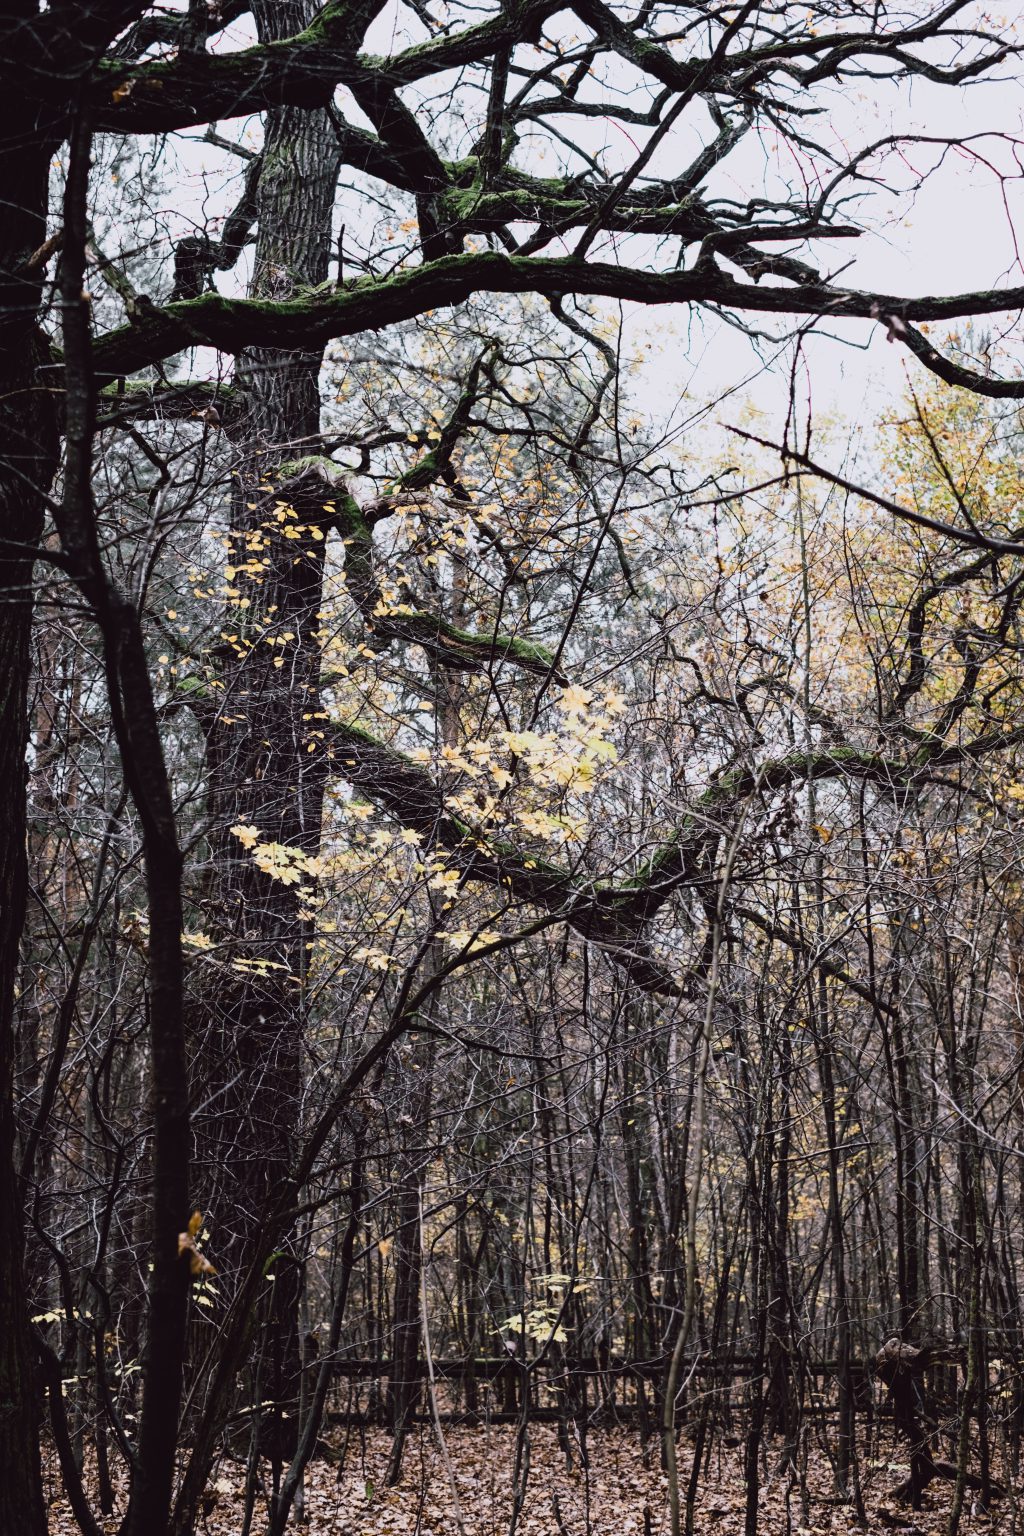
column 350, row 1499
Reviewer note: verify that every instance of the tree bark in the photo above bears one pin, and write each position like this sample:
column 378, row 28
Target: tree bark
column 28, row 433
column 260, row 773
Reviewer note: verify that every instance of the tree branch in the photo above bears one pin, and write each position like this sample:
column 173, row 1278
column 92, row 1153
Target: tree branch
column 371, row 303
column 614, row 915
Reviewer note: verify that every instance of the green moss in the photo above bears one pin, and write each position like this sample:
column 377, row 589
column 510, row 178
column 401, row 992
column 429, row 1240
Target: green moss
column 194, row 687
column 529, row 865
column 475, row 650
column 423, row 473
column 466, row 204
column 346, row 728
column 313, row 464
column 661, row 862
column 351, row 522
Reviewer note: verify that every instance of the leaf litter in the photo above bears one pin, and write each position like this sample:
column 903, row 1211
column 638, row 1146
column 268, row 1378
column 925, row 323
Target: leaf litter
column 615, row 1491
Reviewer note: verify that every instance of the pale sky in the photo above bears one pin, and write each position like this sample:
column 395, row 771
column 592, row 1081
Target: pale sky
column 959, row 231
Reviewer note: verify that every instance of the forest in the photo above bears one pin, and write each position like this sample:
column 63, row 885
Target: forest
column 512, row 768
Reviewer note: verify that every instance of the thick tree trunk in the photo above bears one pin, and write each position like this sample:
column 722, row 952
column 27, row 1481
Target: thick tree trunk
column 28, row 456
column 261, row 772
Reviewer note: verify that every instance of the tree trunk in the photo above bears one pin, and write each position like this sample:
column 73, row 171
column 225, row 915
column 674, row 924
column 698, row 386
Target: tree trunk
column 260, row 772
column 29, row 448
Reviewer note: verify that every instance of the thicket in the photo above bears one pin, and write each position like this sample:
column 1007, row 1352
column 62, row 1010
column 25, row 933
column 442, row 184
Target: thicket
column 510, row 865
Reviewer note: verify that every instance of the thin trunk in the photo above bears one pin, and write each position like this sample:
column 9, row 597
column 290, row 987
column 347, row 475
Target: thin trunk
column 136, row 731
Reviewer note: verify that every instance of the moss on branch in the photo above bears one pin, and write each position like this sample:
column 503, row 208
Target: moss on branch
column 613, row 915
column 465, row 651
column 371, row 303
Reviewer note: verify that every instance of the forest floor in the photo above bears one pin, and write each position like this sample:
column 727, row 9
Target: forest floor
column 473, row 1494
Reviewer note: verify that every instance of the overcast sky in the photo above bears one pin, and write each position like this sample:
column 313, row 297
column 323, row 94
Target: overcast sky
column 957, row 230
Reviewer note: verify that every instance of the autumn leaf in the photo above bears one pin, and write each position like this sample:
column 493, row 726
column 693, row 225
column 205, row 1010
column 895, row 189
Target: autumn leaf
column 574, row 699
column 198, row 1263
column 247, row 836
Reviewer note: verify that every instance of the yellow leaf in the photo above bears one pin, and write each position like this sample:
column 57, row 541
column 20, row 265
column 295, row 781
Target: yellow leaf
column 574, row 698
column 198, row 1263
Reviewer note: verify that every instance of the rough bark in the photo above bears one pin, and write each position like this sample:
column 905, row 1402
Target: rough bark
column 29, row 451
column 21, row 1503
column 260, row 773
